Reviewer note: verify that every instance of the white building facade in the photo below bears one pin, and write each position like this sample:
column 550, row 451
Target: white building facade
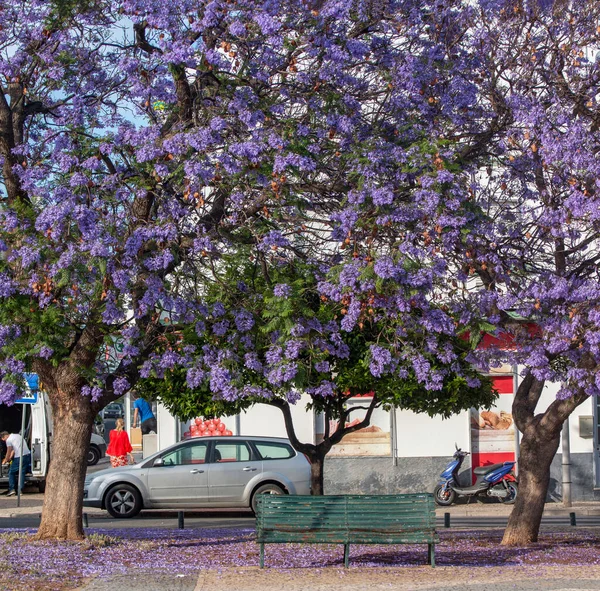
column 405, row 452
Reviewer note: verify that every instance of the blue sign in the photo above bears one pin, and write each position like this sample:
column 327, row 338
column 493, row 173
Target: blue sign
column 29, row 398
column 33, row 383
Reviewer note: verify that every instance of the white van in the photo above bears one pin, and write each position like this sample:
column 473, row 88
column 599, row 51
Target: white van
column 38, row 434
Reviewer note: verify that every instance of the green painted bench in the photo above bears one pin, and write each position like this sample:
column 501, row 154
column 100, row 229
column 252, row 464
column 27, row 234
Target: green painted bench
column 346, row 519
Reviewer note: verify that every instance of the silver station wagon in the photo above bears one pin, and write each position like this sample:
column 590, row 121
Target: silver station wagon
column 201, row 473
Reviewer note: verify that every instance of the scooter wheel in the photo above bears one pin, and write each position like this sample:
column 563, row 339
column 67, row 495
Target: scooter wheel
column 443, row 497
column 512, row 494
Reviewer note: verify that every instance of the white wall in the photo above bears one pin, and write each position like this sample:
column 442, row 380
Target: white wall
column 167, row 427
column 419, row 435
column 578, row 444
column 265, row 420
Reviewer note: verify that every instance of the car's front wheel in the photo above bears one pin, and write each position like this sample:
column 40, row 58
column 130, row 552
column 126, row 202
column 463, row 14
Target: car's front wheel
column 269, row 488
column 123, row 500
column 93, row 455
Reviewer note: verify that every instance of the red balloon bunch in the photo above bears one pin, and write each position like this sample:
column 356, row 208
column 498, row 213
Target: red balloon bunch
column 209, row 428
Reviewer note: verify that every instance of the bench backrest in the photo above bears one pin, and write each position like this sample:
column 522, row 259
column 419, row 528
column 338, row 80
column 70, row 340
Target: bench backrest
column 346, row 518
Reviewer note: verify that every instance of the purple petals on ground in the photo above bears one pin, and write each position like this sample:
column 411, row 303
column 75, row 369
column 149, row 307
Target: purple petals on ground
column 107, row 552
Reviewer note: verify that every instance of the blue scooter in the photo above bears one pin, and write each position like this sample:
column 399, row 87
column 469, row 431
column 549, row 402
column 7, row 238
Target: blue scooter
column 497, row 481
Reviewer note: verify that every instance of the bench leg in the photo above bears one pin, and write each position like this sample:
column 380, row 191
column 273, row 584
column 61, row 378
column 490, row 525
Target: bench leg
column 346, row 554
column 262, row 555
column 431, row 554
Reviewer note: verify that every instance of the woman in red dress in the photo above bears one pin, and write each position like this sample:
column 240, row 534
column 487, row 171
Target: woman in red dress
column 119, row 446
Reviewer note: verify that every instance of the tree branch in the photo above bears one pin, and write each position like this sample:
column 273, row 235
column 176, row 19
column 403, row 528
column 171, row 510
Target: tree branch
column 526, row 399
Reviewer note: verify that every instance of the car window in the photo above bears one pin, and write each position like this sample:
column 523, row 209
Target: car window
column 231, row 452
column 194, row 453
column 274, row 451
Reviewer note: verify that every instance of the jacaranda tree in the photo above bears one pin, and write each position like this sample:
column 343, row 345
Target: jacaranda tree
column 525, row 257
column 275, row 337
column 400, row 147
column 141, row 141
column 533, row 242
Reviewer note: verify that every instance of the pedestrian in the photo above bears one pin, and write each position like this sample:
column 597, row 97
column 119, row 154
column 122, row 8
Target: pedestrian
column 15, row 446
column 119, row 446
column 143, row 416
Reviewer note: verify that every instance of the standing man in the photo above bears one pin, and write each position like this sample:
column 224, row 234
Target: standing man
column 13, row 443
column 143, row 416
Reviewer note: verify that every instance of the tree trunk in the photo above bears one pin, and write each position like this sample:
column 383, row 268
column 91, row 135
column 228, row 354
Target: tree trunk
column 317, row 467
column 535, row 457
column 317, row 453
column 541, row 437
column 63, row 500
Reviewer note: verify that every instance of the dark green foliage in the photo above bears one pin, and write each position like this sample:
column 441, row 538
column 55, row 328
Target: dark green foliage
column 186, row 403
column 65, row 10
column 243, row 283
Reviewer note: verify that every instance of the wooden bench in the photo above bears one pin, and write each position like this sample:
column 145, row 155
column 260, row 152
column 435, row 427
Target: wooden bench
column 346, row 519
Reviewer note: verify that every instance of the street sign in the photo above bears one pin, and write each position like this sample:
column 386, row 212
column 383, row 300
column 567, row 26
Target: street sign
column 30, row 397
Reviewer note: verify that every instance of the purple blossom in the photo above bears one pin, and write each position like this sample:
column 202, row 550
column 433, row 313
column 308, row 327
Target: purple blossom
column 251, row 361
column 45, row 352
column 273, row 240
column 244, row 321
column 293, row 348
column 220, row 328
column 323, row 390
column 195, row 377
column 381, row 360
column 93, row 392
column 120, row 386
column 282, row 290
column 382, row 196
column 8, row 392
column 274, row 355
column 385, row 268
column 322, row 366
column 282, row 373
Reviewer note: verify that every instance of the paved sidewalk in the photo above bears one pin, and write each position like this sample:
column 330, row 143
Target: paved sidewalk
column 360, row 579
column 31, row 504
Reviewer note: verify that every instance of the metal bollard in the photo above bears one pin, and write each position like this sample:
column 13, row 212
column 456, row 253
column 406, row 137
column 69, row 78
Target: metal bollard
column 446, row 519
column 85, row 520
column 180, row 519
column 573, row 519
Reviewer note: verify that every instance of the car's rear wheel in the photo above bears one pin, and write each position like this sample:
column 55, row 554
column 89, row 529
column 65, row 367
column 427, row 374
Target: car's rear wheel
column 269, row 488
column 93, row 455
column 123, row 501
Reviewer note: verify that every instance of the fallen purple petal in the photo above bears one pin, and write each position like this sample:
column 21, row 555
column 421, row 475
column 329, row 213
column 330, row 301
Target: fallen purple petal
column 52, row 565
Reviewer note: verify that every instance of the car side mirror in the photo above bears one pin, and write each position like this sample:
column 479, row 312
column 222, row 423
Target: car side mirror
column 158, row 462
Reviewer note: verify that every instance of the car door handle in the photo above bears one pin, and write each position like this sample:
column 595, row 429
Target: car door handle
column 249, row 469
column 196, row 471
